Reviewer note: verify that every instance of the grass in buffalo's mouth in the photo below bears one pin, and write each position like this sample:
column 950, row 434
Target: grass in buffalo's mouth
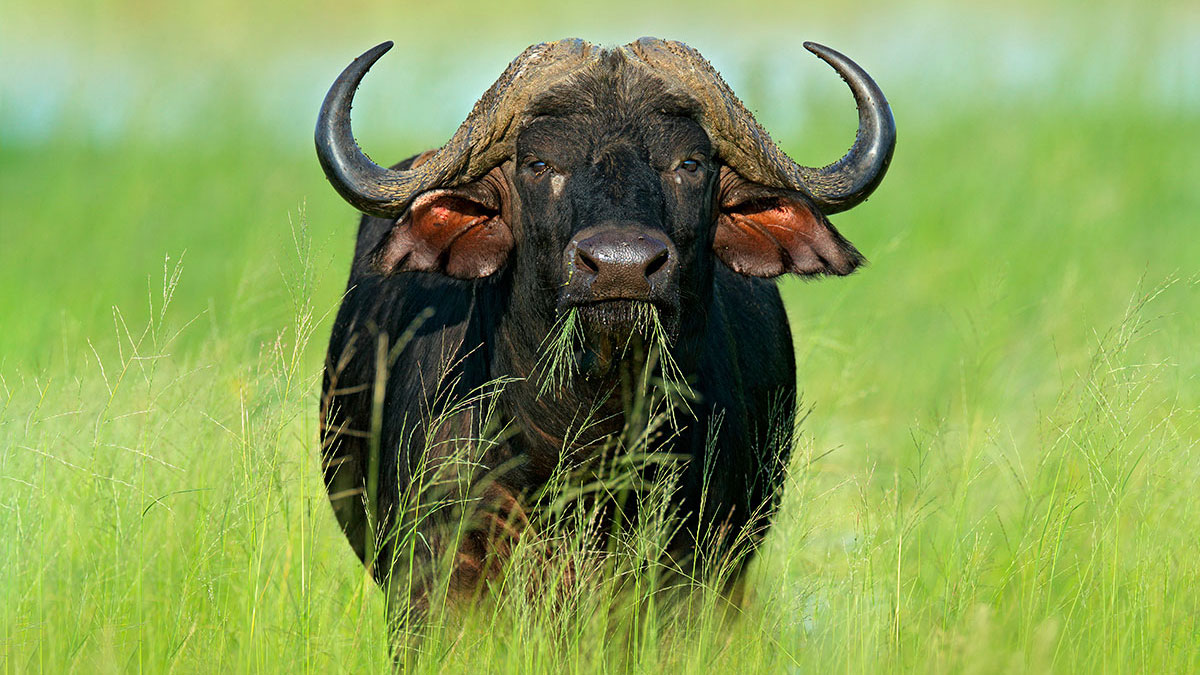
column 558, row 363
column 630, row 332
column 648, row 322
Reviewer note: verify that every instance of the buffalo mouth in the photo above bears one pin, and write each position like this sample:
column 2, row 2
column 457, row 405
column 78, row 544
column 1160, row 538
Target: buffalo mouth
column 614, row 330
column 619, row 317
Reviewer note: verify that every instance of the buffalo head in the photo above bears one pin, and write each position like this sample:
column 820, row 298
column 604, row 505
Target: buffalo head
column 599, row 179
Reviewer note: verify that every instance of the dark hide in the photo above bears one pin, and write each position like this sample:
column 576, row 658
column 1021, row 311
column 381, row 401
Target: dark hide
column 466, row 285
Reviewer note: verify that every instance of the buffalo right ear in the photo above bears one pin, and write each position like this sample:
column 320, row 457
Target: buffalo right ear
column 766, row 232
column 458, row 232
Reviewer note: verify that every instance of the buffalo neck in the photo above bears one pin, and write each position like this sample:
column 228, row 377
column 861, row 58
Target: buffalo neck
column 563, row 414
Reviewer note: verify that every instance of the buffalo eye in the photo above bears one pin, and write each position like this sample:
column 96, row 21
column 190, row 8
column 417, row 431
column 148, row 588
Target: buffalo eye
column 537, row 167
column 690, row 165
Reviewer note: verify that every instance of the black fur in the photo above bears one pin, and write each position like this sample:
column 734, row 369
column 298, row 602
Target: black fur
column 616, row 140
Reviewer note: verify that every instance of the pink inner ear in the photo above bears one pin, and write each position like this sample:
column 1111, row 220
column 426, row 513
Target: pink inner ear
column 770, row 237
column 445, row 232
column 743, row 245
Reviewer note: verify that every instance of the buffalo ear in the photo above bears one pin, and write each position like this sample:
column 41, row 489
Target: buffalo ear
column 457, row 232
column 766, row 232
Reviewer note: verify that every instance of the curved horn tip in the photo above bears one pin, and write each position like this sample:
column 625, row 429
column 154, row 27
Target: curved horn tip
column 372, row 55
column 850, row 180
column 364, row 61
column 814, row 47
column 826, row 54
column 356, row 178
column 382, row 48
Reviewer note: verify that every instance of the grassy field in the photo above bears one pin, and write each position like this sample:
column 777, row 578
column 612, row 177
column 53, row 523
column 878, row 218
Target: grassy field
column 998, row 472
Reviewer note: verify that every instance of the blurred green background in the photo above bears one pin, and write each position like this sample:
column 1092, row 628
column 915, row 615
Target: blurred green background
column 133, row 130
column 1018, row 365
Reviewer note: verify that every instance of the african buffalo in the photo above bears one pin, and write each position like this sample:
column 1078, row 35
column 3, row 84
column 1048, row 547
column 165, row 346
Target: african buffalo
column 603, row 185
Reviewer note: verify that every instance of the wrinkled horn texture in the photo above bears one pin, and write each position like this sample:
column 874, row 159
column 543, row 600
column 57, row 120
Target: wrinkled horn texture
column 483, row 141
column 487, row 137
column 747, row 148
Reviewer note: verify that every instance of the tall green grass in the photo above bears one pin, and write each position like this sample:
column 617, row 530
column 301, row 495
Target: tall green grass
column 996, row 468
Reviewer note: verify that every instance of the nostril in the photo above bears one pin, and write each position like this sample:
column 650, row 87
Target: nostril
column 585, row 261
column 656, row 263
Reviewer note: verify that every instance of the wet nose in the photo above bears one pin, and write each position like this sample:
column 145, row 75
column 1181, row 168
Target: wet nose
column 623, row 263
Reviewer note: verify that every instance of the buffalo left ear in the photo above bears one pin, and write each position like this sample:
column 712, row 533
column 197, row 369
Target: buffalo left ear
column 766, row 232
column 457, row 232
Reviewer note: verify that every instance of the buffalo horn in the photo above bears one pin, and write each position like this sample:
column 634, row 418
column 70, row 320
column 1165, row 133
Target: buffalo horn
column 748, row 149
column 484, row 140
